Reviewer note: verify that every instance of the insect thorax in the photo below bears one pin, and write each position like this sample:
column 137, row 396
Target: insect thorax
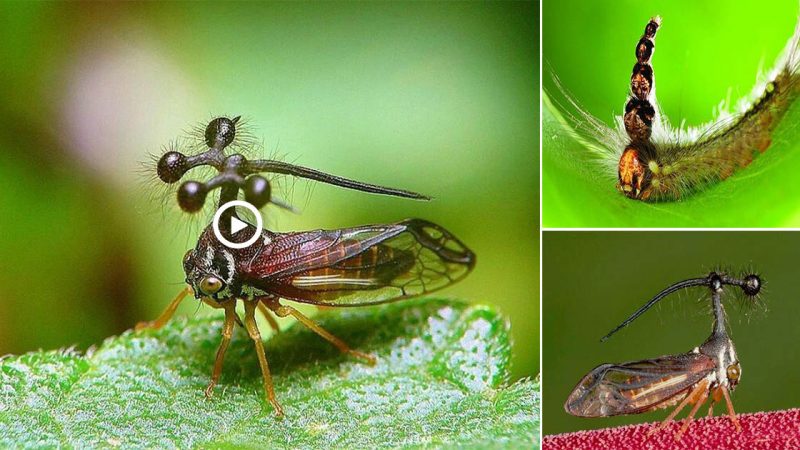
column 721, row 349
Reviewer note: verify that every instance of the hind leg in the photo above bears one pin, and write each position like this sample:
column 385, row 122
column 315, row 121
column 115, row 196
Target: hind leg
column 690, row 417
column 284, row 311
column 268, row 315
column 690, row 398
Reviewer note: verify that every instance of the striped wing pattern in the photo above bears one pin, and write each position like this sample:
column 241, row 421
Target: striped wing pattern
column 361, row 266
column 636, row 387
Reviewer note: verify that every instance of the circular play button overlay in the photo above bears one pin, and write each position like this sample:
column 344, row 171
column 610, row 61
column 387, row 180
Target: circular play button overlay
column 233, row 229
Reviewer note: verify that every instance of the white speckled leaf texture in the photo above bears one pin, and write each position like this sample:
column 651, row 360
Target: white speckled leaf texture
column 441, row 381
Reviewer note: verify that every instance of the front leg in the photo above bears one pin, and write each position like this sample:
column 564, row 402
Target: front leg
column 168, row 312
column 255, row 335
column 731, row 412
column 227, row 332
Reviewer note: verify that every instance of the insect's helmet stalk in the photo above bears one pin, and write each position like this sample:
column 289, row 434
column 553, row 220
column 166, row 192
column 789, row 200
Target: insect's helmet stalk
column 750, row 285
column 236, row 173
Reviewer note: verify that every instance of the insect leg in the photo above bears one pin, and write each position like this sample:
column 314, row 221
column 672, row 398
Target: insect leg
column 283, row 311
column 702, row 386
column 255, row 335
column 215, row 304
column 167, row 314
column 731, row 412
column 227, row 332
column 690, row 417
column 268, row 315
column 211, row 302
column 716, row 396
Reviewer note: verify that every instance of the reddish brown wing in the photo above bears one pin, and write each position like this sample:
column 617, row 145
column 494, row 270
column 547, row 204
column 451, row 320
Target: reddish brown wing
column 361, row 266
column 636, row 387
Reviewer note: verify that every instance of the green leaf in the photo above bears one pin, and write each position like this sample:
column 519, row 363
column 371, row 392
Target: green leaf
column 441, row 380
column 577, row 193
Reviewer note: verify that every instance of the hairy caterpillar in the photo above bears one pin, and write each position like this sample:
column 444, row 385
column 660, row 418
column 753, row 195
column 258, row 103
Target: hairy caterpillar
column 654, row 161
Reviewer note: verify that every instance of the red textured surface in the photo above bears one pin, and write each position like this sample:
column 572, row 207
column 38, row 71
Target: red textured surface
column 766, row 430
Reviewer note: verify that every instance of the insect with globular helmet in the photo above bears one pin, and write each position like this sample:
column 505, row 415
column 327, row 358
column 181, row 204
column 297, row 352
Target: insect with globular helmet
column 709, row 371
column 358, row 266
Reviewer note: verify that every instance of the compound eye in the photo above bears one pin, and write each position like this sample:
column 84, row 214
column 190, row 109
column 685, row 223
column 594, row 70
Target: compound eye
column 211, row 285
column 734, row 373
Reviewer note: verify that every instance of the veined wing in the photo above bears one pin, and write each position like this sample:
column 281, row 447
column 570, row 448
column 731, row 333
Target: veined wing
column 361, row 266
column 636, row 387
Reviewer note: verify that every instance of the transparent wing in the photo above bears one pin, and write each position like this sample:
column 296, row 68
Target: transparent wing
column 636, row 387
column 368, row 265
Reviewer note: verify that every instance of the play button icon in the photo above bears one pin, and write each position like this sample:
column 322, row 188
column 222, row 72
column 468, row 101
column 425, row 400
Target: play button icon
column 236, row 225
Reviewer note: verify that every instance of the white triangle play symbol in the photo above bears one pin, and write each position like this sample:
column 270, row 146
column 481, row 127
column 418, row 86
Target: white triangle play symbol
column 237, row 225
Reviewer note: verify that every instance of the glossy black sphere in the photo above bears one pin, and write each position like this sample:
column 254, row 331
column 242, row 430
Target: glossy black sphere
column 752, row 285
column 220, row 132
column 257, row 191
column 192, row 196
column 171, row 167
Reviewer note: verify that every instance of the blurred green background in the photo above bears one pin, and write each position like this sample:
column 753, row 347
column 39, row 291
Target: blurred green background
column 592, row 281
column 441, row 98
column 706, row 52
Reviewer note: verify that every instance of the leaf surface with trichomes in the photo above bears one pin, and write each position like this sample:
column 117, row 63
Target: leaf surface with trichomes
column 441, row 380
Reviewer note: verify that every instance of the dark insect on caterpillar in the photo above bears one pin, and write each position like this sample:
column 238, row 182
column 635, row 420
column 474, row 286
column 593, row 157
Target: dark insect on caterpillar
column 358, row 266
column 652, row 160
column 710, row 371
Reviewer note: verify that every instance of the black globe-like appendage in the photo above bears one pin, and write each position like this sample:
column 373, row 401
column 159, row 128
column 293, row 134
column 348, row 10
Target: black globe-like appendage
column 192, row 196
column 236, row 174
column 220, row 132
column 171, row 167
column 257, row 191
column 752, row 285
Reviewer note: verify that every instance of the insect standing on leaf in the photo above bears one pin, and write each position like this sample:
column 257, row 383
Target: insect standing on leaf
column 709, row 371
column 359, row 266
column 654, row 161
